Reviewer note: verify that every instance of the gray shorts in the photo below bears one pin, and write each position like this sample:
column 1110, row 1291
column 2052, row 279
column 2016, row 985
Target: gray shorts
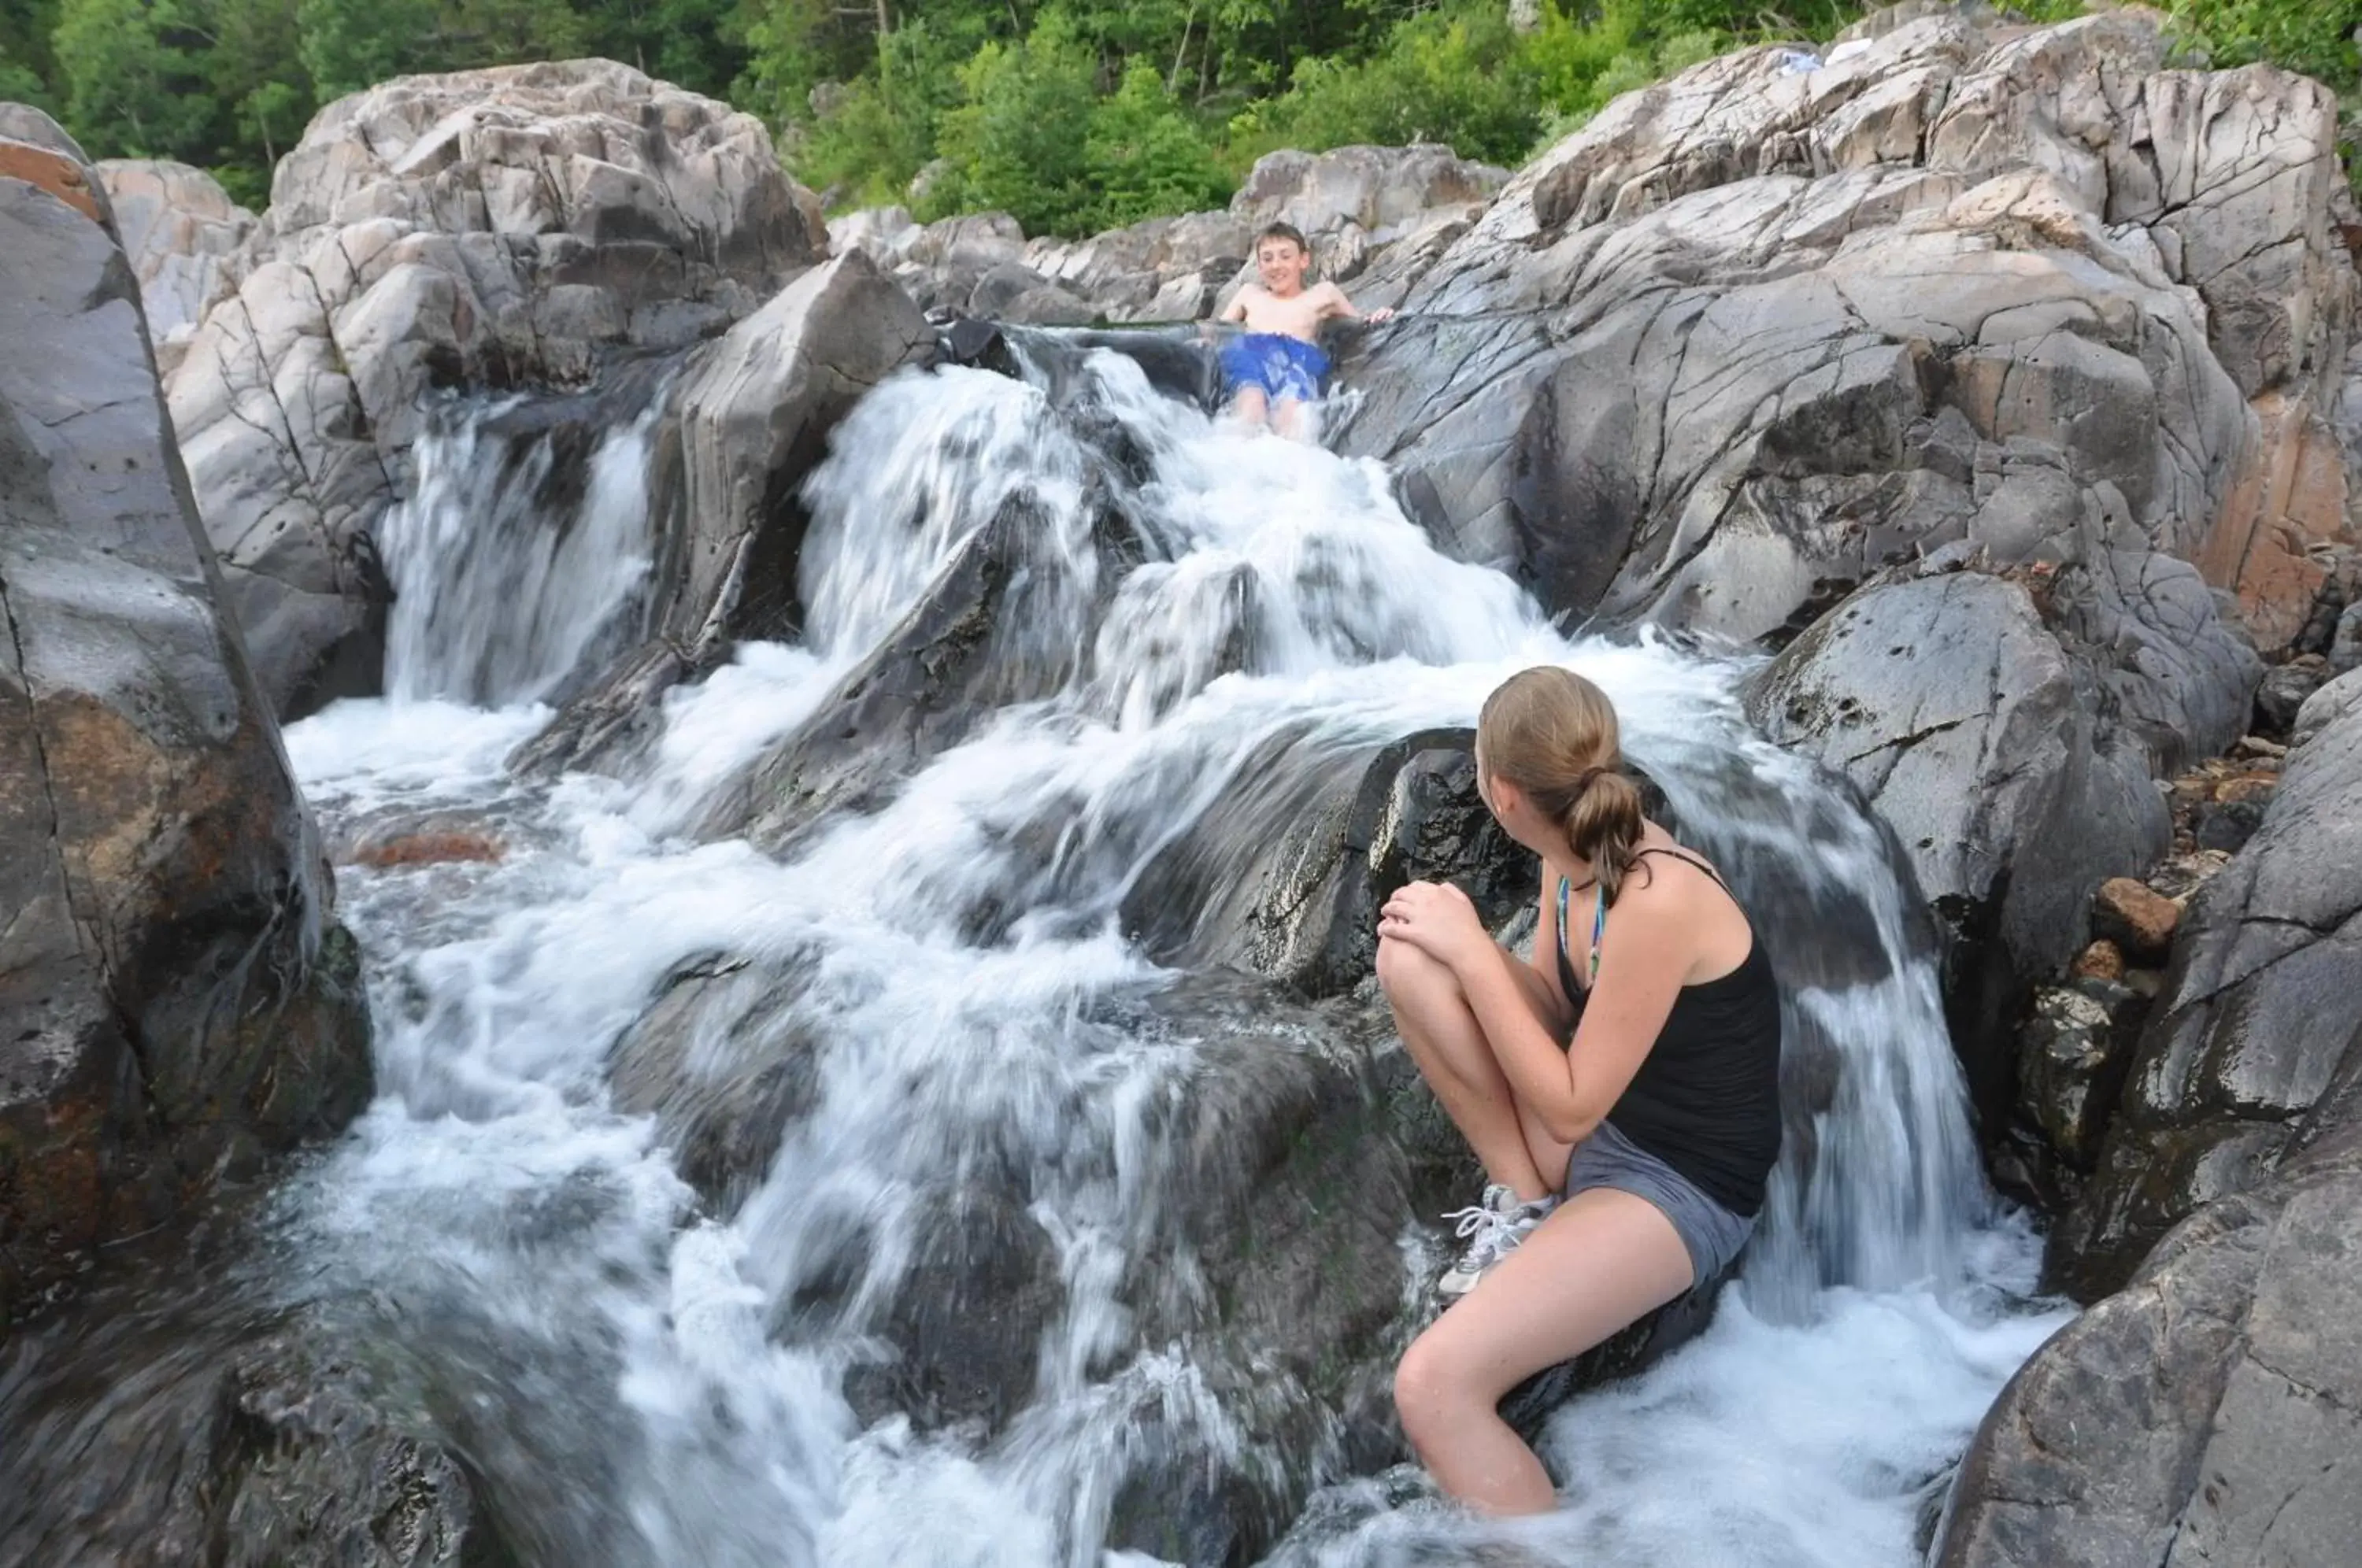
column 1712, row 1233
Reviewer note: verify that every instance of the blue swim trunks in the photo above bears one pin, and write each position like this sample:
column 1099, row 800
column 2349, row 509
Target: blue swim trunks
column 1283, row 369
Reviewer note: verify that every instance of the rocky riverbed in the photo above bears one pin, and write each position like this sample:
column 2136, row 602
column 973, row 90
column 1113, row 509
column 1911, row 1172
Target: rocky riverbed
column 874, row 1048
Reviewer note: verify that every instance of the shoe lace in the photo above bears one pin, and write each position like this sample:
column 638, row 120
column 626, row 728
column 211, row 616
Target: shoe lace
column 1485, row 1230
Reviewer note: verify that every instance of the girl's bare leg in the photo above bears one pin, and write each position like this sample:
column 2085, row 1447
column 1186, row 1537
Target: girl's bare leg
column 1432, row 1015
column 1601, row 1261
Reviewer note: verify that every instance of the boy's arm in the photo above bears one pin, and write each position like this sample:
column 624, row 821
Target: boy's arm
column 1237, row 309
column 1338, row 305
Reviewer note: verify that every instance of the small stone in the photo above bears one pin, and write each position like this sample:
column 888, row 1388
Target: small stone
column 2257, row 745
column 2228, row 825
column 428, row 849
column 2069, row 1057
column 2283, row 691
column 2136, row 918
column 2248, row 787
column 2187, row 872
column 2104, row 960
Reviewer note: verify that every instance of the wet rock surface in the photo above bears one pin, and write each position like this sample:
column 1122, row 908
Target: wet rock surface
column 1304, row 909
column 2262, row 1006
column 176, row 1000
column 2204, row 1413
column 226, row 1436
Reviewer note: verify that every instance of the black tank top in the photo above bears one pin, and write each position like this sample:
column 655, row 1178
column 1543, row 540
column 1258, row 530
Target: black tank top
column 1706, row 1098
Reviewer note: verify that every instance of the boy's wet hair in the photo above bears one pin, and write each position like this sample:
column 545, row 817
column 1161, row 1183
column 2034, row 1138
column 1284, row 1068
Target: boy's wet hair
column 1287, row 231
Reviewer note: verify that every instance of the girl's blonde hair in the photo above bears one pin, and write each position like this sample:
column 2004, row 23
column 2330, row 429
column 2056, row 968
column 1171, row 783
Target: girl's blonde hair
column 1552, row 733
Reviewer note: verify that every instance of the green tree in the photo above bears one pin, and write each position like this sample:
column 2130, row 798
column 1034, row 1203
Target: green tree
column 1144, row 157
column 879, row 129
column 697, row 44
column 256, row 68
column 1454, row 75
column 1016, row 141
column 133, row 78
column 25, row 28
column 347, row 45
column 19, row 84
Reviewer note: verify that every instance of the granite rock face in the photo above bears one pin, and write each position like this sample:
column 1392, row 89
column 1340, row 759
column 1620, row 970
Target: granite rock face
column 180, row 229
column 176, row 1000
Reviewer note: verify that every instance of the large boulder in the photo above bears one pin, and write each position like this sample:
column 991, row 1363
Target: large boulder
column 252, row 1444
column 488, row 228
column 176, row 1000
column 2261, row 1012
column 180, row 229
column 1964, row 280
column 2207, row 1413
column 2015, row 781
column 1288, row 879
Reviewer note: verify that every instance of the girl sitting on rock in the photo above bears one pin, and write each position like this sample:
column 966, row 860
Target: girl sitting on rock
column 1623, row 1094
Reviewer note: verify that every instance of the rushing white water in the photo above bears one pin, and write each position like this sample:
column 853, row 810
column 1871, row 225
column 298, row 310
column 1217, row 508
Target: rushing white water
column 508, row 566
column 644, row 1376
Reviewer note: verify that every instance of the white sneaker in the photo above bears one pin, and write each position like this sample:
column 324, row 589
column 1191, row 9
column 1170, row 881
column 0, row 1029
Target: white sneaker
column 1493, row 1228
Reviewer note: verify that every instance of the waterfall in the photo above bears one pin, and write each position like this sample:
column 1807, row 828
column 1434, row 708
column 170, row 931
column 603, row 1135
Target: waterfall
column 518, row 556
column 923, row 1047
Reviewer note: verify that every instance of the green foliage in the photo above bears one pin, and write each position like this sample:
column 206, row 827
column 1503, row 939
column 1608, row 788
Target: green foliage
column 1456, row 75
column 879, row 130
column 2315, row 37
column 134, row 78
column 20, row 83
column 1145, row 158
column 1016, row 141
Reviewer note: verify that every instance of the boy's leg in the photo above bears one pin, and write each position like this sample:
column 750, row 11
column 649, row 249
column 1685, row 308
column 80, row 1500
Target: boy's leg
column 1250, row 407
column 1444, row 1039
column 1287, row 418
column 1601, row 1261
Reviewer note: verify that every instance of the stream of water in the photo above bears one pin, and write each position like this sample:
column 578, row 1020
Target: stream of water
column 643, row 1373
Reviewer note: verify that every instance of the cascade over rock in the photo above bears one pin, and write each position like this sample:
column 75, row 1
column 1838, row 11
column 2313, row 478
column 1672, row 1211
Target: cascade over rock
column 176, row 998
column 503, row 227
column 2001, row 381
column 744, row 421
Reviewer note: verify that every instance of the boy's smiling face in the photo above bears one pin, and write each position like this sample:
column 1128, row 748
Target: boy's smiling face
column 1282, row 263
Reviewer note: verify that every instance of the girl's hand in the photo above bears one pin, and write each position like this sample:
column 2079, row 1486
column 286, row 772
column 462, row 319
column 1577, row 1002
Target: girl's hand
column 1436, row 918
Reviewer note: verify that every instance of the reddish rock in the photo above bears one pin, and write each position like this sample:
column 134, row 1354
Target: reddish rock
column 428, row 849
column 2137, row 918
column 2101, row 961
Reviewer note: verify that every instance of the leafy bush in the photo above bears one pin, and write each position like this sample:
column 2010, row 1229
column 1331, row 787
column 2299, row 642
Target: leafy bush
column 1455, row 75
column 1145, row 158
column 1015, row 143
column 880, row 128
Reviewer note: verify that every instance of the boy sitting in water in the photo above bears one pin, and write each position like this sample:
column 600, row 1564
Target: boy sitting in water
column 1271, row 369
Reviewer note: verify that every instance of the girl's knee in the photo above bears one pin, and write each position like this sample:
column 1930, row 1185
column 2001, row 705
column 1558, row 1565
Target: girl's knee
column 1429, row 1390
column 1403, row 970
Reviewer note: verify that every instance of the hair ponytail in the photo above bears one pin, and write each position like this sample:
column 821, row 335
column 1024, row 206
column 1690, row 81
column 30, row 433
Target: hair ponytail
column 1603, row 825
column 1554, row 734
